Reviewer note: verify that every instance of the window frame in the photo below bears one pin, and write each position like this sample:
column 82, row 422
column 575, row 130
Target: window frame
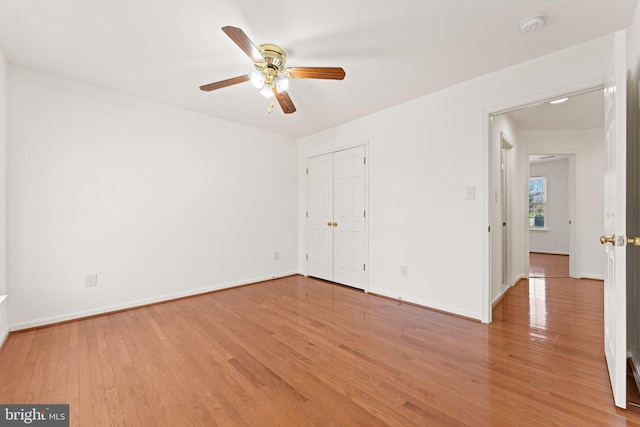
column 544, row 204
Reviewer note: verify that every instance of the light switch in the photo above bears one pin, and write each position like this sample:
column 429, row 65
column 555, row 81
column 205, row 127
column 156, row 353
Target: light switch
column 470, row 193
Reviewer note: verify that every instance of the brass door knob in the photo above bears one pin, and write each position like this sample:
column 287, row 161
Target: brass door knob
column 335, row 224
column 329, row 223
column 633, row 241
column 604, row 240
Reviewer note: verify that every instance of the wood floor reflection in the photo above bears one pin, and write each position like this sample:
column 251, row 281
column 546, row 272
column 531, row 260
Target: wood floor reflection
column 548, row 265
column 298, row 351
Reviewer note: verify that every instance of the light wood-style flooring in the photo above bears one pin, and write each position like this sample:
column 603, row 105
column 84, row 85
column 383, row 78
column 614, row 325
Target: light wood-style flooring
column 299, row 351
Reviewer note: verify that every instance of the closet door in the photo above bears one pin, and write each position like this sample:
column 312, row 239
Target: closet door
column 349, row 217
column 320, row 217
column 336, row 217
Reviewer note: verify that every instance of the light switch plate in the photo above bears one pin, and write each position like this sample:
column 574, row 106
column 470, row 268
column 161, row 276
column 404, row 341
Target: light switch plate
column 470, row 193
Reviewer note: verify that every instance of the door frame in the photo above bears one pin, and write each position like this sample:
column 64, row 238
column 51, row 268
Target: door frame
column 505, row 203
column 328, row 150
column 573, row 203
column 488, row 113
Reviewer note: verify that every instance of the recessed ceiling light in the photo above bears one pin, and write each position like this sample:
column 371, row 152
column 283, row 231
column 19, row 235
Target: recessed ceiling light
column 532, row 24
column 558, row 101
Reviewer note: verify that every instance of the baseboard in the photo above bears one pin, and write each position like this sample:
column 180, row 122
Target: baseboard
column 592, row 276
column 46, row 321
column 3, row 336
column 428, row 305
column 519, row 278
column 4, row 332
column 502, row 294
column 547, row 253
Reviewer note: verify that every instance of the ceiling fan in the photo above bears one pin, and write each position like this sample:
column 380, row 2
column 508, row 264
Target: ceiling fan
column 271, row 76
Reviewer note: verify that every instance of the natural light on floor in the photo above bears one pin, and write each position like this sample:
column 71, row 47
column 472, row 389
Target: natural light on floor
column 537, row 302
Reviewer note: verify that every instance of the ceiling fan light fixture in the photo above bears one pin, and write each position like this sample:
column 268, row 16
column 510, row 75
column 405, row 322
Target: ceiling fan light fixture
column 282, row 83
column 267, row 91
column 257, row 80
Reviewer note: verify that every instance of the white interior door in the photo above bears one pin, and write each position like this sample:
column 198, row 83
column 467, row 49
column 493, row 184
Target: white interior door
column 349, row 217
column 320, row 217
column 615, row 335
column 336, row 217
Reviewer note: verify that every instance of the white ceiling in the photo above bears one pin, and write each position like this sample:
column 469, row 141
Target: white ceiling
column 391, row 51
column 579, row 112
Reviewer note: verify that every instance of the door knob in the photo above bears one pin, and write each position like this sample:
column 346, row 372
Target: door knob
column 329, row 223
column 335, row 224
column 633, row 241
column 604, row 240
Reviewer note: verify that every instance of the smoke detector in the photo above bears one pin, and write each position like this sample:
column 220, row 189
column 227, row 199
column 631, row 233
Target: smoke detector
column 532, row 24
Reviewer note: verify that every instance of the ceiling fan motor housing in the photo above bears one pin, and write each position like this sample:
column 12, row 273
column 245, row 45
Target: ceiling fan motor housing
column 275, row 61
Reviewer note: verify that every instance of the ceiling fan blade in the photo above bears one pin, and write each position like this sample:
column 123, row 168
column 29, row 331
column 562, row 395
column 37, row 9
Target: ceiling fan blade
column 330, row 73
column 243, row 42
column 225, row 83
column 285, row 101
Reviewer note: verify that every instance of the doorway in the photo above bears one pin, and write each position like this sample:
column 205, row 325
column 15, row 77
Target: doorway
column 573, row 130
column 551, row 207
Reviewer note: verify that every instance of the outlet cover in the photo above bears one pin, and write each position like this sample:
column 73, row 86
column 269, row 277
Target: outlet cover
column 404, row 271
column 91, row 280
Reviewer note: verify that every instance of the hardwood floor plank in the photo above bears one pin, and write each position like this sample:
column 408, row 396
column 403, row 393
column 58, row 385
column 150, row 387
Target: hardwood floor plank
column 61, row 369
column 72, row 395
column 13, row 364
column 98, row 393
column 119, row 403
column 299, row 351
column 86, row 415
column 33, row 368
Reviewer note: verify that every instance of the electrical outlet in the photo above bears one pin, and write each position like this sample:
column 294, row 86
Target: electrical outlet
column 276, row 256
column 91, row 280
column 404, row 271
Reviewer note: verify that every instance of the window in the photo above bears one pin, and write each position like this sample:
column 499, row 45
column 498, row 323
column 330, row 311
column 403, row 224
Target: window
column 537, row 203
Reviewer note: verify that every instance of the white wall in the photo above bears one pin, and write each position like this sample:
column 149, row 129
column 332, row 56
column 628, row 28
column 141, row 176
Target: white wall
column 555, row 238
column 158, row 201
column 588, row 149
column 4, row 312
column 422, row 156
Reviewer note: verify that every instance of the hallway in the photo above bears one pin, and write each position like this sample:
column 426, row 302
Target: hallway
column 548, row 265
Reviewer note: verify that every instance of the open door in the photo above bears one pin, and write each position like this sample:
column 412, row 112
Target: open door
column 614, row 239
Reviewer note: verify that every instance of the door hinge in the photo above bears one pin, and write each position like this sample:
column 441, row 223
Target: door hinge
column 307, row 171
column 364, row 267
column 504, row 224
column 307, row 214
column 365, row 160
column 489, row 229
column 365, row 214
column 307, row 257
